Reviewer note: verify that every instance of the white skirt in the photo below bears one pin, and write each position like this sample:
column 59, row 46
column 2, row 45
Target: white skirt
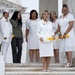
column 68, row 44
column 56, row 44
column 33, row 42
column 46, row 49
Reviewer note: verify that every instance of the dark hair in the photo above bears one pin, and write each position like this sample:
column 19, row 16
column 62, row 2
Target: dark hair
column 51, row 17
column 4, row 13
column 32, row 12
column 64, row 5
column 14, row 17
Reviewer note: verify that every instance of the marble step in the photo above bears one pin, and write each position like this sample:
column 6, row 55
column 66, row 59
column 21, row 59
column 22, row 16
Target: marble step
column 22, row 69
column 32, row 65
column 41, row 73
column 36, row 69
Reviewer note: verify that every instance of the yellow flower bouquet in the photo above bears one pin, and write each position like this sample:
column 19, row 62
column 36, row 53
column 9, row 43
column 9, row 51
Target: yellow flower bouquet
column 12, row 35
column 51, row 38
column 67, row 36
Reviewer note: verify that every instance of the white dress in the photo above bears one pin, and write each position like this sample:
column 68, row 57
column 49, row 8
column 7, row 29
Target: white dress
column 45, row 30
column 33, row 41
column 67, row 44
column 55, row 27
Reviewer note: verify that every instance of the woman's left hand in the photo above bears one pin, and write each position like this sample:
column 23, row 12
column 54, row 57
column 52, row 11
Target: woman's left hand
column 64, row 36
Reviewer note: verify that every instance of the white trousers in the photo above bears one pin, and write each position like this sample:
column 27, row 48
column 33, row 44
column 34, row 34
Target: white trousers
column 4, row 49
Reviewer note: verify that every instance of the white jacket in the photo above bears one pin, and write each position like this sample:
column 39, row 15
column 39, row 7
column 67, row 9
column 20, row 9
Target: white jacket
column 5, row 29
column 44, row 30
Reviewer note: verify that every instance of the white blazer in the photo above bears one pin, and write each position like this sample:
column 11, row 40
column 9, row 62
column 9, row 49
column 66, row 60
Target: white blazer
column 44, row 29
column 5, row 29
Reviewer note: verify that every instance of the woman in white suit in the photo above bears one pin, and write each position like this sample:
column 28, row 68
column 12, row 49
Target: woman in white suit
column 6, row 31
column 44, row 30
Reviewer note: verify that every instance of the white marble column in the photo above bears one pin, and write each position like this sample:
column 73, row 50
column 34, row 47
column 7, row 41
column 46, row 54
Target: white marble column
column 60, row 3
column 62, row 56
column 2, row 65
column 24, row 45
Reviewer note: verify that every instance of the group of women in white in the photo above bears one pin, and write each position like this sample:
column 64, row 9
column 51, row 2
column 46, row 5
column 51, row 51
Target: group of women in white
column 50, row 35
column 45, row 37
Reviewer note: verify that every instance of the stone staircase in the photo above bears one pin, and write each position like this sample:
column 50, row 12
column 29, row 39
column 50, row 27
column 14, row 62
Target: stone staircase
column 36, row 69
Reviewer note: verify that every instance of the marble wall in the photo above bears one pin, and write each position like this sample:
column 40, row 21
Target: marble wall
column 50, row 5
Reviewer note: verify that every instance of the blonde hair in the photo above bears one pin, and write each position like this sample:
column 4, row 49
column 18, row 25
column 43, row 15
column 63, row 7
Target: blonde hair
column 43, row 13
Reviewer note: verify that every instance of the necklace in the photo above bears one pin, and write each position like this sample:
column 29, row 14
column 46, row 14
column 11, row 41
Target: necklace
column 44, row 23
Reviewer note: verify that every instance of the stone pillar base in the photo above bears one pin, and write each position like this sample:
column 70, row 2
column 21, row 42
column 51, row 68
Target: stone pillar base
column 2, row 65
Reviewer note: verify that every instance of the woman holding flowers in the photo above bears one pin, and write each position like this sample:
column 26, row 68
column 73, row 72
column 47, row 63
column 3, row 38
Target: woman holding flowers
column 67, row 44
column 45, row 34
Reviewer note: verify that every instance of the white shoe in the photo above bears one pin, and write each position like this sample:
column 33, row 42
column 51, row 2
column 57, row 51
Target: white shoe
column 44, row 70
column 68, row 65
column 48, row 70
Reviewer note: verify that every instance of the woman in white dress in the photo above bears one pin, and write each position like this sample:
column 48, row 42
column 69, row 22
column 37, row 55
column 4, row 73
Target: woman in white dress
column 55, row 21
column 44, row 31
column 31, row 36
column 67, row 44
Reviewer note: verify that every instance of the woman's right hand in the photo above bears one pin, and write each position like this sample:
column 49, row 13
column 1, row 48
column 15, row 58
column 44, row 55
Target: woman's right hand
column 5, row 38
column 41, row 39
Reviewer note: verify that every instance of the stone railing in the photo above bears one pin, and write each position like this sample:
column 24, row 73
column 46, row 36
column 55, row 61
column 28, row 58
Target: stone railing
column 2, row 64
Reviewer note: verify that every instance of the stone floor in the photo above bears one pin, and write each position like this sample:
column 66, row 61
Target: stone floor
column 36, row 69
